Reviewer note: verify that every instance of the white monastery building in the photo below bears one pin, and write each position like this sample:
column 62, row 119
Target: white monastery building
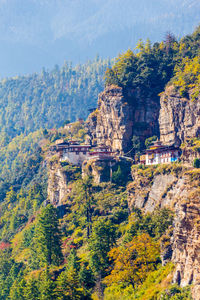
column 159, row 154
column 76, row 153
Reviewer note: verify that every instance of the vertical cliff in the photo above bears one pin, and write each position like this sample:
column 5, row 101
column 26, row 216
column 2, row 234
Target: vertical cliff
column 179, row 118
column 186, row 239
column 99, row 169
column 121, row 116
column 57, row 183
column 175, row 187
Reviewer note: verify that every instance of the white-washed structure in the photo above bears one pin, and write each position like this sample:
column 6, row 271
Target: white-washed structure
column 76, row 153
column 159, row 154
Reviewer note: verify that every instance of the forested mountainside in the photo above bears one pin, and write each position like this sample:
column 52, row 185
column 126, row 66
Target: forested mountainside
column 20, row 162
column 153, row 67
column 138, row 80
column 120, row 230
column 48, row 99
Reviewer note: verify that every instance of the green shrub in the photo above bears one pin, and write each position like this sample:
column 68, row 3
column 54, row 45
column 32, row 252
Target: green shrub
column 150, row 140
column 121, row 173
column 196, row 163
column 176, row 293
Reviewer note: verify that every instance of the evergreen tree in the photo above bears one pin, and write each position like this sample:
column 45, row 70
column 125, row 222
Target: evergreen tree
column 47, row 239
column 87, row 186
column 103, row 237
column 117, row 177
column 17, row 290
column 196, row 163
column 73, row 261
column 85, row 200
column 47, row 287
column 86, row 277
column 10, row 196
column 31, row 290
column 68, row 286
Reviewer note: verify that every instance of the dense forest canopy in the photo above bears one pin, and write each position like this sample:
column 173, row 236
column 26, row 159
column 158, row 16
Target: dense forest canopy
column 20, row 161
column 48, row 99
column 150, row 67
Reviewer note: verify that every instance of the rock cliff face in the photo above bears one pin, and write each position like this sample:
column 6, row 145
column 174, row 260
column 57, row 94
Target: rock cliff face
column 119, row 117
column 57, row 184
column 179, row 190
column 101, row 170
column 186, row 243
column 179, row 118
column 147, row 195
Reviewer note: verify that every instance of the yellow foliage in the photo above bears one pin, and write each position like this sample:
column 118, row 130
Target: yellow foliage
column 188, row 77
column 133, row 261
column 154, row 285
column 122, row 60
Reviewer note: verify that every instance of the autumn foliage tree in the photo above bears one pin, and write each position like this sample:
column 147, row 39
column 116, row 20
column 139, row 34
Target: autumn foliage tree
column 134, row 261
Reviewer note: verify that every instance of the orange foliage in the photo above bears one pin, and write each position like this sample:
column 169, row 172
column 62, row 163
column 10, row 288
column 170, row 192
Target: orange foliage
column 133, row 261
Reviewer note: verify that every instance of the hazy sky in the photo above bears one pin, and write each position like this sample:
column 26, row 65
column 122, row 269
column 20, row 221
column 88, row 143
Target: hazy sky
column 37, row 33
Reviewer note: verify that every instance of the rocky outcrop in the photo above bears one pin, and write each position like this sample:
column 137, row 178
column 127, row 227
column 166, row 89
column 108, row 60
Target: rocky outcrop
column 186, row 242
column 91, row 125
column 149, row 195
column 57, row 184
column 121, row 116
column 101, row 170
column 177, row 188
column 179, row 118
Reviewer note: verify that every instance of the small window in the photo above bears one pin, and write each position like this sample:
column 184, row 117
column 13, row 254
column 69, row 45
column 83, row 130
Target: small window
column 84, row 153
column 77, row 153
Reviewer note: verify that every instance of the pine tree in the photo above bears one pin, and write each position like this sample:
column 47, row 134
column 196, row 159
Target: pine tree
column 68, row 285
column 102, row 239
column 31, row 290
column 47, row 239
column 47, row 287
column 10, row 196
column 17, row 290
column 86, row 277
column 85, row 201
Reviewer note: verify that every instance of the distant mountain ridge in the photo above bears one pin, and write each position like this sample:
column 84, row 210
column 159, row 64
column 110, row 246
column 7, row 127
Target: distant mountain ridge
column 34, row 33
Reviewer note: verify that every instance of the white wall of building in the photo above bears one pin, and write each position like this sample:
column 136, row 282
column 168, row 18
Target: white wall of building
column 76, row 158
column 161, row 158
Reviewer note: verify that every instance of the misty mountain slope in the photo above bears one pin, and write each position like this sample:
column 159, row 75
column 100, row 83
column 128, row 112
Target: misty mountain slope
column 41, row 33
